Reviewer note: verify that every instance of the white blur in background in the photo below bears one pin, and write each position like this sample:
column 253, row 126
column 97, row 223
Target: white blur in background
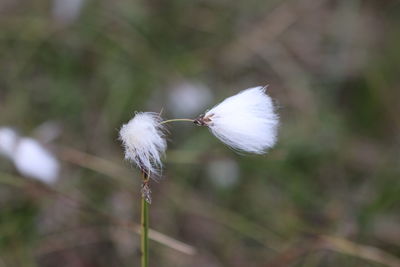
column 223, row 172
column 29, row 156
column 66, row 11
column 8, row 141
column 187, row 99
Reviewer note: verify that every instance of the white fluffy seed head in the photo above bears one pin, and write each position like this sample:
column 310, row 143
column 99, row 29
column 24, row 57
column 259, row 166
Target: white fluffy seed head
column 144, row 142
column 246, row 121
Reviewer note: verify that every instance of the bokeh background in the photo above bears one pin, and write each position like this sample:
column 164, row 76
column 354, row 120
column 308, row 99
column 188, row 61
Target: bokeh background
column 72, row 71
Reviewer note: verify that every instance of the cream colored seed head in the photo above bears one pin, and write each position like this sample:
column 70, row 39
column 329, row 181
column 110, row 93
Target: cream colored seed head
column 144, row 142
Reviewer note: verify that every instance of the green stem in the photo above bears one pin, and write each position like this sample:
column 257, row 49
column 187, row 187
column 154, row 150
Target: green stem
column 173, row 120
column 145, row 233
column 144, row 222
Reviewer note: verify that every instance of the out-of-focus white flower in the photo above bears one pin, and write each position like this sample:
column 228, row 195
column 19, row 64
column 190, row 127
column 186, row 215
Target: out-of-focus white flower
column 246, row 121
column 66, row 11
column 32, row 160
column 223, row 172
column 188, row 99
column 144, row 142
column 8, row 141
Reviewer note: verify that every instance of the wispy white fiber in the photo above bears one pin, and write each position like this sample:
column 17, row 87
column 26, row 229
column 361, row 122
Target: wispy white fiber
column 32, row 160
column 246, row 121
column 144, row 142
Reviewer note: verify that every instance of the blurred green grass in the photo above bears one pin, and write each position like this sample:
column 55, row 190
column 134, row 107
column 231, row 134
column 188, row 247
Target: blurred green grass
column 332, row 67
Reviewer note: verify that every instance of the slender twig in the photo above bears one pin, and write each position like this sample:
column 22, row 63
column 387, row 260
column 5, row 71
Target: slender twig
column 173, row 120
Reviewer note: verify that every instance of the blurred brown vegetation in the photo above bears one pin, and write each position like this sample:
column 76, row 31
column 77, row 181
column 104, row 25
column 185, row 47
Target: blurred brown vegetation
column 327, row 195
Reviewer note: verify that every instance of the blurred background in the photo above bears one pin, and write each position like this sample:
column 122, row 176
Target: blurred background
column 72, row 71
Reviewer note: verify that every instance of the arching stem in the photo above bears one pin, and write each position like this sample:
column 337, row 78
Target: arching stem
column 173, row 120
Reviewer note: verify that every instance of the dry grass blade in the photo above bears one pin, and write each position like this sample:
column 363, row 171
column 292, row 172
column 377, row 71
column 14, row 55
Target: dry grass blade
column 85, row 160
column 153, row 234
column 267, row 30
column 112, row 169
column 361, row 251
column 320, row 242
column 332, row 243
column 172, row 243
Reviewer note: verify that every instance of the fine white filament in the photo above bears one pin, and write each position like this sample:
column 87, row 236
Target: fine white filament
column 144, row 142
column 246, row 121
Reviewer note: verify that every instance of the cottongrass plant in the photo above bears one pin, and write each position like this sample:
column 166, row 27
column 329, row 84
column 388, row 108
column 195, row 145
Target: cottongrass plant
column 246, row 122
column 145, row 144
